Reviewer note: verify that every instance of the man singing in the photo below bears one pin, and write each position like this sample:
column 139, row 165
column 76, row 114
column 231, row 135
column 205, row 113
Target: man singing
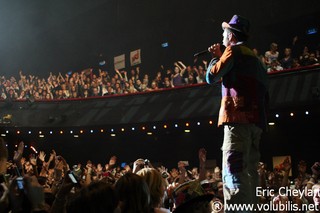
column 242, row 111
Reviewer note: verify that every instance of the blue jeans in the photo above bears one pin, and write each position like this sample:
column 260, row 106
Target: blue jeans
column 240, row 162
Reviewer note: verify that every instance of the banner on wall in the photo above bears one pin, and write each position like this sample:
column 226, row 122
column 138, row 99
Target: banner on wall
column 135, row 57
column 119, row 62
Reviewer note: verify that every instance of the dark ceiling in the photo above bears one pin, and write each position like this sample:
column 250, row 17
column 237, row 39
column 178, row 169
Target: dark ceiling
column 41, row 36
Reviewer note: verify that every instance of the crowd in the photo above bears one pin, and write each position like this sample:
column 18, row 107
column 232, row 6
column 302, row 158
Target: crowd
column 97, row 83
column 37, row 184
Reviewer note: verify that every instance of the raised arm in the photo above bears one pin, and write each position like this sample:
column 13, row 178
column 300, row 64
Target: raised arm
column 202, row 164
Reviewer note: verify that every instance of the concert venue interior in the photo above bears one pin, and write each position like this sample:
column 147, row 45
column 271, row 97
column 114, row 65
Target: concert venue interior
column 166, row 125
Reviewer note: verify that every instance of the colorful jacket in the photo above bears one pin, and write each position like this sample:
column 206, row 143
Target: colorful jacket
column 244, row 86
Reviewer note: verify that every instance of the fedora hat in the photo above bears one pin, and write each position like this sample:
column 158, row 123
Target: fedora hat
column 239, row 24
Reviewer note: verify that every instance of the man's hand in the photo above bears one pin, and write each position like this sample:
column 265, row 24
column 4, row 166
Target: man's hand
column 215, row 50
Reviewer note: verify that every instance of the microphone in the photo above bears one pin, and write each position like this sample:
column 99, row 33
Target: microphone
column 201, row 53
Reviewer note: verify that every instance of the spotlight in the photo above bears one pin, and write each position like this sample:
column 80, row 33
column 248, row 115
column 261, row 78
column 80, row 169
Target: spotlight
column 187, row 124
column 165, row 126
column 271, row 123
column 113, row 135
column 198, row 123
column 132, row 128
column 277, row 115
column 112, row 130
column 307, row 113
column 187, row 130
column 149, row 133
column 7, row 131
column 51, row 132
column 18, row 132
column 40, row 132
column 291, row 114
column 143, row 128
column 61, row 132
column 122, row 129
column 29, row 132
column 76, row 136
column 81, row 131
column 176, row 125
column 154, row 127
column 71, row 132
column 91, row 131
column 101, row 130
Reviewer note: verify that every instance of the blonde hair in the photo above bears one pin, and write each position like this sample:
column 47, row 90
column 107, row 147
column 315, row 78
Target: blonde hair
column 156, row 185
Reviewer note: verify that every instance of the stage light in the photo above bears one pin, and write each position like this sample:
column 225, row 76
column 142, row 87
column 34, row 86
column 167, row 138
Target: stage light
column 165, row 126
column 76, row 136
column 112, row 130
column 187, row 130
column 210, row 122
column 41, row 136
column 176, row 125
column 16, row 145
column 71, row 132
column 165, row 44
column 277, row 115
column 61, row 132
column 29, row 132
column 271, row 123
column 307, row 113
column 113, row 135
column 7, row 131
column 291, row 114
column 122, row 129
column 51, row 132
column 132, row 128
column 101, row 130
column 149, row 133
column 18, row 132
column 143, row 128
column 91, row 131
column 198, row 123
column 81, row 131
column 40, row 132
column 187, row 124
column 3, row 135
column 25, row 146
column 154, row 127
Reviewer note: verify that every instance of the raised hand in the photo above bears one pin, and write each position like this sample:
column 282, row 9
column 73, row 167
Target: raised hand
column 316, row 169
column 42, row 156
column 202, row 155
column 3, row 156
column 286, row 164
column 18, row 154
